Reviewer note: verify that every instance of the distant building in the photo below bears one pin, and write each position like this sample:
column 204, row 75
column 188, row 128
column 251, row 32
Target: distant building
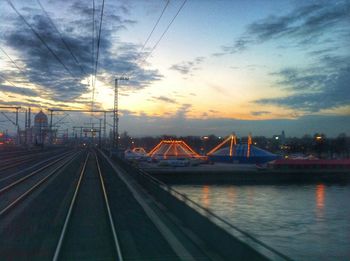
column 281, row 138
column 40, row 128
column 38, row 134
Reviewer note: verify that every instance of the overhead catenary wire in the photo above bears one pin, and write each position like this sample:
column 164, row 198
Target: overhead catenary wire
column 61, row 37
column 14, row 63
column 40, row 38
column 165, row 31
column 92, row 55
column 98, row 47
column 155, row 26
column 161, row 37
column 4, row 78
column 14, row 85
column 150, row 34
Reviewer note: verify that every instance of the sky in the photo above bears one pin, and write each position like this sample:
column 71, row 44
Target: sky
column 208, row 67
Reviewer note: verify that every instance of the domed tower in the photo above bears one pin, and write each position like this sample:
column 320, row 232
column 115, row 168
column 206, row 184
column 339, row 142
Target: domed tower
column 40, row 127
column 40, row 120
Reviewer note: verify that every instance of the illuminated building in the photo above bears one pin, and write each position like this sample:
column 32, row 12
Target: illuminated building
column 173, row 149
column 229, row 151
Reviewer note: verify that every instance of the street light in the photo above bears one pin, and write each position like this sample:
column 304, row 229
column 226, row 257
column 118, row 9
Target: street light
column 116, row 112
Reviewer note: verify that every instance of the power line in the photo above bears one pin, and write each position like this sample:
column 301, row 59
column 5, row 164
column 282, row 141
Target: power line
column 14, row 85
column 15, row 64
column 40, row 38
column 155, row 25
column 150, row 34
column 97, row 49
column 98, row 44
column 24, row 73
column 165, row 31
column 163, row 34
column 93, row 55
column 3, row 77
column 61, row 37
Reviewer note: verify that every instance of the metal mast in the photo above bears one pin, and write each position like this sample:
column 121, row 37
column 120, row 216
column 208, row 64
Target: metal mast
column 116, row 112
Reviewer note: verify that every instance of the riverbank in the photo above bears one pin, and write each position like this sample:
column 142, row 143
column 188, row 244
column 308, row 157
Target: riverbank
column 221, row 173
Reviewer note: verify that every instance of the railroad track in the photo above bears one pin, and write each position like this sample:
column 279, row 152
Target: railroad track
column 14, row 193
column 19, row 157
column 7, row 177
column 6, row 154
column 10, row 155
column 12, row 163
column 89, row 230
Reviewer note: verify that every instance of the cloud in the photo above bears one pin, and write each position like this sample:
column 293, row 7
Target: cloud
column 301, row 80
column 259, row 113
column 124, row 112
column 239, row 45
column 50, row 78
column 305, row 25
column 164, row 99
column 159, row 125
column 323, row 87
column 323, row 51
column 16, row 103
column 187, row 67
column 18, row 90
column 218, row 89
column 322, row 27
column 183, row 110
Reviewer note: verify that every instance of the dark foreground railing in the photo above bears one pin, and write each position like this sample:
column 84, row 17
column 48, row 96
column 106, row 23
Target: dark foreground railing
column 227, row 239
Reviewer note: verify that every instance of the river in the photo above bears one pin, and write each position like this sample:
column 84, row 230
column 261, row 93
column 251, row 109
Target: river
column 304, row 222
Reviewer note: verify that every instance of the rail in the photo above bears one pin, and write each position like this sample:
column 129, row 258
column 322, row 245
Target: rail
column 11, row 163
column 64, row 229
column 34, row 166
column 115, row 237
column 59, row 247
column 21, row 180
column 18, row 199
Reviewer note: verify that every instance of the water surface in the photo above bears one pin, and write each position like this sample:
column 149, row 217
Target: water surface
column 305, row 222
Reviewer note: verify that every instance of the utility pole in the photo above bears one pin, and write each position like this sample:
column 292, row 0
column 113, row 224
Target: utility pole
column 25, row 127
column 13, row 122
column 51, row 138
column 17, row 116
column 29, row 117
column 116, row 112
column 99, row 133
column 104, row 128
column 18, row 135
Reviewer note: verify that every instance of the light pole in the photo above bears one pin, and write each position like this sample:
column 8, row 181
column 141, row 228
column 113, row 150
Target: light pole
column 116, row 112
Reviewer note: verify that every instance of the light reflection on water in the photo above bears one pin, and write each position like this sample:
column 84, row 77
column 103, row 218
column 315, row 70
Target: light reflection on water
column 305, row 222
column 205, row 197
column 320, row 194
